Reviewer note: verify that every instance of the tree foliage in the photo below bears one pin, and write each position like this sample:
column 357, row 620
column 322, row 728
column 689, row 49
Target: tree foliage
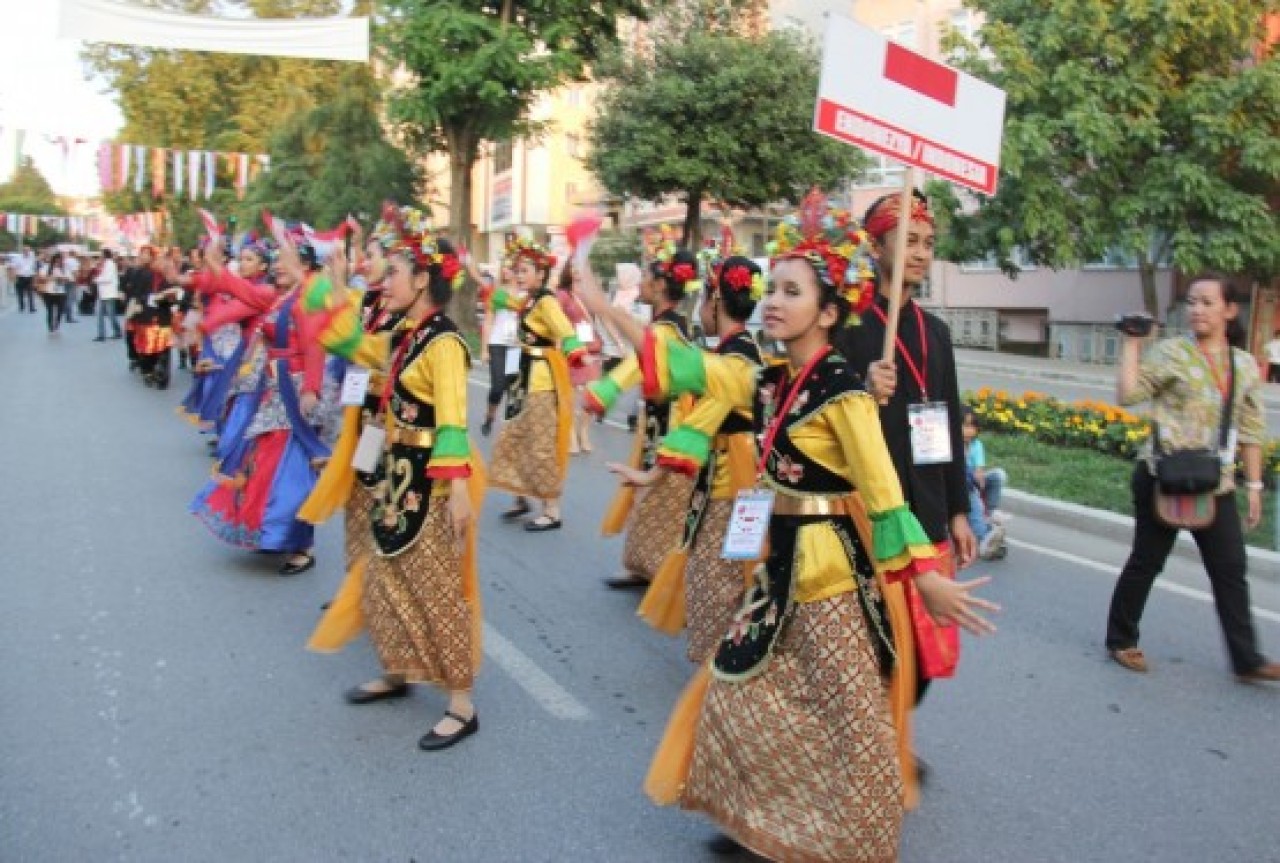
column 716, row 116
column 335, row 160
column 1139, row 127
column 468, row 71
column 27, row 191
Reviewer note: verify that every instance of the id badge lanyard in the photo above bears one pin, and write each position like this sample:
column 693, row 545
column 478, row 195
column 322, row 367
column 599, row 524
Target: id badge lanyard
column 374, row 434
column 753, row 508
column 928, row 421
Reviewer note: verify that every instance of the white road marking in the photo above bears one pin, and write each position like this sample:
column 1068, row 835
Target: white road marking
column 1161, row 583
column 551, row 696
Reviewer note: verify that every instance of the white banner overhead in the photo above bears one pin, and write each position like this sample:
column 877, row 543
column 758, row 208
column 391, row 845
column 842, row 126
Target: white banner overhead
column 124, row 23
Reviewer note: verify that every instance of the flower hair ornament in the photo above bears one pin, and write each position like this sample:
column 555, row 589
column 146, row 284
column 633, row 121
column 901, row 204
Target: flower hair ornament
column 726, row 266
column 524, row 248
column 408, row 231
column 834, row 244
column 667, row 259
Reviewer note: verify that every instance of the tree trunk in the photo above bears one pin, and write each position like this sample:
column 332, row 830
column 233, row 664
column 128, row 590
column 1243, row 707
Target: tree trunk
column 691, row 235
column 462, row 158
column 1150, row 298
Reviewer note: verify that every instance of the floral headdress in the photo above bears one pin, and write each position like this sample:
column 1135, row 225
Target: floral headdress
column 836, row 246
column 725, row 267
column 408, row 231
column 885, row 214
column 522, row 247
column 665, row 260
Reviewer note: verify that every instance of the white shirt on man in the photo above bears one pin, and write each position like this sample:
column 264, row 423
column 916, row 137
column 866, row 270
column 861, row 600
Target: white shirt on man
column 1273, row 351
column 108, row 280
column 26, row 266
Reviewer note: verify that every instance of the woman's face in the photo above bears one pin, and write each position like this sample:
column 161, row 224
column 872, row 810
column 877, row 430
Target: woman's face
column 374, row 249
column 707, row 313
column 1208, row 313
column 527, row 276
column 792, row 302
column 402, row 287
column 283, row 281
column 251, row 265
column 969, row 429
column 918, row 258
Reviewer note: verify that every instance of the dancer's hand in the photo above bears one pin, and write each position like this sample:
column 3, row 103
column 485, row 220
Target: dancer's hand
column 963, row 541
column 308, row 403
column 459, row 512
column 631, row 476
column 951, row 602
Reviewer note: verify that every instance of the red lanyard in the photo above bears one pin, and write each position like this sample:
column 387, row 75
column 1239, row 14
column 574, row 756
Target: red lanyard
column 920, row 372
column 771, row 433
column 1224, row 386
column 399, row 360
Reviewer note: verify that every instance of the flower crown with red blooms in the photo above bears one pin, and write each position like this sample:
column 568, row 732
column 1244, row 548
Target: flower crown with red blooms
column 721, row 275
column 408, row 231
column 530, row 250
column 662, row 252
column 834, row 244
column 886, row 214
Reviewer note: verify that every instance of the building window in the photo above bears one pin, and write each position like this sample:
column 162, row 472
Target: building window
column 904, row 33
column 502, row 157
column 882, row 171
column 573, row 145
column 965, row 22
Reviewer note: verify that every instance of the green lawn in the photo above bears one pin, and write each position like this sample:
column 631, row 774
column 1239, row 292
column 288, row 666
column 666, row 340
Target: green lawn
column 1086, row 477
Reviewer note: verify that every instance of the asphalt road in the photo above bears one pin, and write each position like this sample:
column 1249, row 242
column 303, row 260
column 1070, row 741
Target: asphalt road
column 159, row 705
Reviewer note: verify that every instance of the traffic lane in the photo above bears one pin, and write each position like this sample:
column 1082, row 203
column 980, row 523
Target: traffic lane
column 1043, row 749
column 1016, row 382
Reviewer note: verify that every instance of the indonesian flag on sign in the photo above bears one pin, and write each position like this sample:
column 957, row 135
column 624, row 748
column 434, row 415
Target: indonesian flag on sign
column 883, row 97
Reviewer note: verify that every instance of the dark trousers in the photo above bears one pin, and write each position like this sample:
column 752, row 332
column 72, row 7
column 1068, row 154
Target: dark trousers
column 1221, row 547
column 54, row 310
column 25, row 287
column 499, row 380
column 1273, row 373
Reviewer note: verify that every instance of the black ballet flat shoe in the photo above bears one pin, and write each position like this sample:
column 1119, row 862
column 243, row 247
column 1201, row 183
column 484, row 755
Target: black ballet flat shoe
column 432, row 742
column 360, row 695
column 486, row 427
column 290, row 567
column 517, row 512
column 625, row 582
column 542, row 523
column 724, row 845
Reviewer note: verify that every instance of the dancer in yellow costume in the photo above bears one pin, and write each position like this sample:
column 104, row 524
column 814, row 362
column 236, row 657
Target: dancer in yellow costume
column 419, row 597
column 786, row 739
column 531, row 455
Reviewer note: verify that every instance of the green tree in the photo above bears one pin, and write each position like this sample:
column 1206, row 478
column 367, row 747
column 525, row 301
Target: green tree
column 1147, row 129
column 334, row 160
column 716, row 117
column 28, row 192
column 470, row 70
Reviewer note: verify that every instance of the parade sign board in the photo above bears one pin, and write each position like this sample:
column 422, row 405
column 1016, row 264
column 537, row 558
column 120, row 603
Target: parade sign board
column 880, row 96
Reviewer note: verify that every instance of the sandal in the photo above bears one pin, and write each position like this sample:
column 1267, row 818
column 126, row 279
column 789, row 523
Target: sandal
column 517, row 512
column 1131, row 658
column 486, row 427
column 293, row 567
column 541, row 523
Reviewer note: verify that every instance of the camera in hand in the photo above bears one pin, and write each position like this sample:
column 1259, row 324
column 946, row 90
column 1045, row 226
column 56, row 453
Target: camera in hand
column 1138, row 324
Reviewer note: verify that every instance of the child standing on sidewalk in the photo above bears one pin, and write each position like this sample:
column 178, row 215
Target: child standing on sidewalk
column 985, row 488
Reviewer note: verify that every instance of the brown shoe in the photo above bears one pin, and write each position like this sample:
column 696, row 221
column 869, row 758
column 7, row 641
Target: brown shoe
column 1131, row 658
column 1268, row 672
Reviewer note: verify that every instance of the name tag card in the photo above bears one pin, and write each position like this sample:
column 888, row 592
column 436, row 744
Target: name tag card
column 930, row 433
column 749, row 525
column 513, row 361
column 355, row 386
column 586, row 332
column 369, row 448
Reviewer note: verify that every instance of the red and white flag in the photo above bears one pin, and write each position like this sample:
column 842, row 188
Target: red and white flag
column 210, row 223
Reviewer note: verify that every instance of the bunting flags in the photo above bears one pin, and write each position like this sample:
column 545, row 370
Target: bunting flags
column 177, row 173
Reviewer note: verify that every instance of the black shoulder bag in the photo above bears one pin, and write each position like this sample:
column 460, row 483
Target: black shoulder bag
column 1196, row 471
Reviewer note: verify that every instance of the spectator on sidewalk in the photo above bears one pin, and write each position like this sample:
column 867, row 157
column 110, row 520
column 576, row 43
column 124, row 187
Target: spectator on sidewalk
column 1189, row 382
column 107, row 281
column 990, row 481
column 986, row 529
column 53, row 291
column 1273, row 359
column 25, row 280
column 71, row 266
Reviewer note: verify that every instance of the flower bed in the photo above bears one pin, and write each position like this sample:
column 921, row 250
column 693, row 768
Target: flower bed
column 1085, row 424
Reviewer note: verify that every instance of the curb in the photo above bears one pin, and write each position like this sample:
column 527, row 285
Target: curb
column 1263, row 564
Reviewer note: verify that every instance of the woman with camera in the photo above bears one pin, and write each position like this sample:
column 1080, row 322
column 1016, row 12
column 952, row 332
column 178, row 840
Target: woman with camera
column 1205, row 394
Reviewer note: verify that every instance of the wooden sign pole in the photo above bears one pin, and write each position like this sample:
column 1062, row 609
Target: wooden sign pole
column 899, row 254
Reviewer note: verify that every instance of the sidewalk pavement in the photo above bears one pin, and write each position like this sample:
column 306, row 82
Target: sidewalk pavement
column 1060, row 371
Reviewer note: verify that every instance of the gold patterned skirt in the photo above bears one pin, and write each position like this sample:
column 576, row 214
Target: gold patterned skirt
column 657, row 525
column 357, row 537
column 418, row 620
column 712, row 585
column 524, row 456
column 800, row 763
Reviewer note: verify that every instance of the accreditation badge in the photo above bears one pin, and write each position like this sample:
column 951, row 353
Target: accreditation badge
column 930, row 433
column 355, row 386
column 749, row 525
column 585, row 332
column 369, row 448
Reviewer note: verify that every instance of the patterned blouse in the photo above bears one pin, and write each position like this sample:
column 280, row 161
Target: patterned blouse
column 1186, row 401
